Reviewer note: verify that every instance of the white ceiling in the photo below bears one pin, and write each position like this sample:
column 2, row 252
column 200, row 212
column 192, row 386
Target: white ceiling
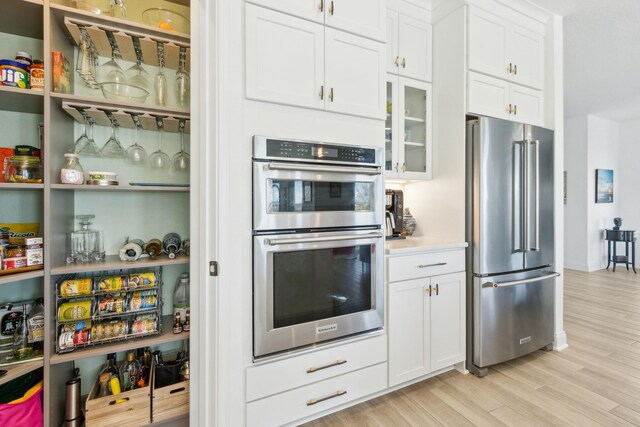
column 601, row 56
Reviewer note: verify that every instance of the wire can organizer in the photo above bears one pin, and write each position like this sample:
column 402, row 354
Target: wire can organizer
column 108, row 306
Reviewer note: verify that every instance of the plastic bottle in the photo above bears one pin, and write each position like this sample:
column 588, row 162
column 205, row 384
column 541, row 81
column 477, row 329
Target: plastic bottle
column 181, row 296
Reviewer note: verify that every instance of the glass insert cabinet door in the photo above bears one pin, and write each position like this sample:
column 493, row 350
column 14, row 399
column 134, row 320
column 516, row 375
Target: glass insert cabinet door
column 408, row 129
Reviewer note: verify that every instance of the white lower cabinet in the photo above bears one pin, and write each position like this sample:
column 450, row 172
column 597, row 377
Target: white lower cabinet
column 426, row 318
column 493, row 97
column 287, row 390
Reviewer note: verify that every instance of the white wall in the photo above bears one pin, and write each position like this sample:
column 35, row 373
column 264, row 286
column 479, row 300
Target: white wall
column 575, row 218
column 629, row 176
column 591, row 143
column 603, row 135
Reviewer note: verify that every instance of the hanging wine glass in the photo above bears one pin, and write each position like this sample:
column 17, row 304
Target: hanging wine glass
column 86, row 146
column 136, row 153
column 138, row 76
column 110, row 71
column 183, row 80
column 159, row 159
column 181, row 160
column 160, row 82
column 113, row 147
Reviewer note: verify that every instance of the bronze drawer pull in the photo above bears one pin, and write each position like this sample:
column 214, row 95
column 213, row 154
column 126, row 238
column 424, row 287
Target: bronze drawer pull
column 330, row 365
column 338, row 393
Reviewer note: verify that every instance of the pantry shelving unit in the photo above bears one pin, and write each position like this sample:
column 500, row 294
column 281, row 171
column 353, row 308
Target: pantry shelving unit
column 54, row 24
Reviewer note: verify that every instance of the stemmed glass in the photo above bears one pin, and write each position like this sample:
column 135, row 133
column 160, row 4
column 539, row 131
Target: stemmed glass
column 85, row 144
column 85, row 65
column 138, row 76
column 181, row 160
column 160, row 84
column 111, row 71
column 159, row 159
column 136, row 153
column 183, row 80
column 113, row 148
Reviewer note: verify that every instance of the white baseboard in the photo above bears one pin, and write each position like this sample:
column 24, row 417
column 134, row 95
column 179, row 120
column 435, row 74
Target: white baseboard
column 560, row 341
column 579, row 267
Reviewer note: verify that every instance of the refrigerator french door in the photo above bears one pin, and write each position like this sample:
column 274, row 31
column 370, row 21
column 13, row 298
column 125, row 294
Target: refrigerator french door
column 510, row 212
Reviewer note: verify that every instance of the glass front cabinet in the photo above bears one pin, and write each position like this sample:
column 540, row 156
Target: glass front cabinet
column 408, row 129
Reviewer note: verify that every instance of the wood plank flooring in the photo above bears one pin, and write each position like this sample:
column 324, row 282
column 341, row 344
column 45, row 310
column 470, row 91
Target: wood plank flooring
column 594, row 382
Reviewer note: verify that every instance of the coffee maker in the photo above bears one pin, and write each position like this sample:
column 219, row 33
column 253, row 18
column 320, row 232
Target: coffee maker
column 393, row 214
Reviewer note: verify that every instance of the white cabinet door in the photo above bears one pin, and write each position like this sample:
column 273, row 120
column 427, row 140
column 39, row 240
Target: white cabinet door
column 355, row 71
column 408, row 330
column 363, row 17
column 527, row 105
column 487, row 96
column 391, row 138
column 415, row 48
column 308, row 9
column 393, row 55
column 447, row 320
column 526, row 51
column 414, row 131
column 487, row 43
column 284, row 58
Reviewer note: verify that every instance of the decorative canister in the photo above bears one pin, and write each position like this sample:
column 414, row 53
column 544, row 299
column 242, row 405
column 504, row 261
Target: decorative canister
column 171, row 243
column 409, row 223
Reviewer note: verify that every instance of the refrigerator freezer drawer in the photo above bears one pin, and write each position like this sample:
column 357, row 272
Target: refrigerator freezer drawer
column 513, row 316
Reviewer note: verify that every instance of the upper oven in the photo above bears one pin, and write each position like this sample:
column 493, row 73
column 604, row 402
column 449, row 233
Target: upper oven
column 307, row 185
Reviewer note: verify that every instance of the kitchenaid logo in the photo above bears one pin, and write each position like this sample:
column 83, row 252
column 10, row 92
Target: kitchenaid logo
column 525, row 340
column 326, row 328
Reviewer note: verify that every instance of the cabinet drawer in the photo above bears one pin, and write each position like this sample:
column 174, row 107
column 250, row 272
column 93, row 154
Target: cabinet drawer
column 424, row 265
column 305, row 401
column 305, row 369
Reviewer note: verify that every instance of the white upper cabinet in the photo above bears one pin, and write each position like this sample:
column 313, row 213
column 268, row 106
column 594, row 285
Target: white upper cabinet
column 505, row 49
column 298, row 62
column 307, row 9
column 284, row 58
column 409, row 42
column 353, row 68
column 362, row 17
column 493, row 97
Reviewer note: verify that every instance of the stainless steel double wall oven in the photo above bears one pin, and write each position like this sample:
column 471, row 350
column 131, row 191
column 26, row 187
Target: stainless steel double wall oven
column 317, row 243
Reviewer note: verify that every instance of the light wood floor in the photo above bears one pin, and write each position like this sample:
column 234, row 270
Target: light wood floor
column 596, row 381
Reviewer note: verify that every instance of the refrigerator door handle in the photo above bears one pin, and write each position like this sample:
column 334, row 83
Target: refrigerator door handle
column 519, row 282
column 536, row 199
column 519, row 196
column 527, row 197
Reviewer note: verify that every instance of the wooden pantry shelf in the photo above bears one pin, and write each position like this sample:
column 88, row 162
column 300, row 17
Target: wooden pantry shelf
column 120, row 188
column 126, row 40
column 17, row 277
column 20, row 186
column 20, row 368
column 166, row 336
column 113, row 262
column 21, row 100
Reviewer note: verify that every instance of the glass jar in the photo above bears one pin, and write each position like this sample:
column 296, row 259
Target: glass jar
column 71, row 172
column 25, row 169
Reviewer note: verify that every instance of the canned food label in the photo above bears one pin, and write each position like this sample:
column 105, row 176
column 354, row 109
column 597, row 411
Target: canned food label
column 70, row 288
column 78, row 310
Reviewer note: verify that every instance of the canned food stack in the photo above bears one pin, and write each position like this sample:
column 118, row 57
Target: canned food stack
column 95, row 310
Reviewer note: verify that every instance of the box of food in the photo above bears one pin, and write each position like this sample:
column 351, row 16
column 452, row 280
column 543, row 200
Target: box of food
column 35, row 257
column 33, row 242
column 14, row 263
column 18, row 232
column 5, row 154
column 61, row 71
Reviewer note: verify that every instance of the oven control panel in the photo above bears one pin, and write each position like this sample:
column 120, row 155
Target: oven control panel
column 313, row 151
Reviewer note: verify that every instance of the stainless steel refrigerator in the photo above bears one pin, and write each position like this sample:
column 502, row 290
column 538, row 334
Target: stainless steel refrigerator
column 510, row 230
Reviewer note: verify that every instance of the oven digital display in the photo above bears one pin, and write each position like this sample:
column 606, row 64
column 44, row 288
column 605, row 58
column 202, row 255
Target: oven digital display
column 324, row 153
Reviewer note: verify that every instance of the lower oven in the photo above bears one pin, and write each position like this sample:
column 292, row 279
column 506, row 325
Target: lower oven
column 315, row 287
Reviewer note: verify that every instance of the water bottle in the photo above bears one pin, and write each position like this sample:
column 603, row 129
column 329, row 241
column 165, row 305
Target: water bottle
column 181, row 296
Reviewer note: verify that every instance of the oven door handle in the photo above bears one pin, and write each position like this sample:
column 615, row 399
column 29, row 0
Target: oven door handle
column 276, row 242
column 320, row 168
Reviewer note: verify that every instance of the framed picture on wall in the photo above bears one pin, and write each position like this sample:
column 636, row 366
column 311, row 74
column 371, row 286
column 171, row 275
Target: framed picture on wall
column 604, row 186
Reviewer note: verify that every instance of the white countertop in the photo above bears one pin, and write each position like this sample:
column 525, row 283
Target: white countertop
column 421, row 244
